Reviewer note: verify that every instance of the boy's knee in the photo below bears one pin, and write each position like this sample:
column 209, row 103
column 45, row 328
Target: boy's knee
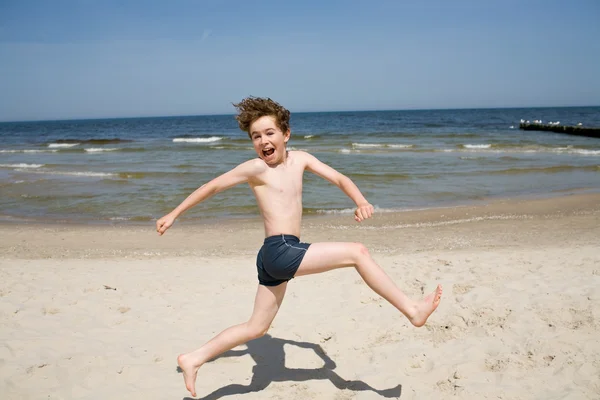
column 257, row 331
column 361, row 250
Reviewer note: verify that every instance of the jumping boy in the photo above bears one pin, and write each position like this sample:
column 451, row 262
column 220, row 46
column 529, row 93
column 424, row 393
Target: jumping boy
column 275, row 177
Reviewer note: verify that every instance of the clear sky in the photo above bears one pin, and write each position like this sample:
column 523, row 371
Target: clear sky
column 103, row 58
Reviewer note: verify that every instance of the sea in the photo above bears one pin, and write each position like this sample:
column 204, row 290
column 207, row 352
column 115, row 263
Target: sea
column 134, row 170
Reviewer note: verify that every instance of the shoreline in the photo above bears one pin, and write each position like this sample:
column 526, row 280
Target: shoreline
column 244, row 236
column 231, row 219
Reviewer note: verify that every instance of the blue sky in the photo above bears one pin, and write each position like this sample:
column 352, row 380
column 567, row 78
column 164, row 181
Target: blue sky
column 102, row 58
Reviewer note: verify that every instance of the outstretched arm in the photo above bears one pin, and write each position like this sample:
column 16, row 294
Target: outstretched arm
column 364, row 209
column 239, row 174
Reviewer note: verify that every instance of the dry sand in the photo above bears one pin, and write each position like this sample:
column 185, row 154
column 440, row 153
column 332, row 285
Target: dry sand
column 101, row 312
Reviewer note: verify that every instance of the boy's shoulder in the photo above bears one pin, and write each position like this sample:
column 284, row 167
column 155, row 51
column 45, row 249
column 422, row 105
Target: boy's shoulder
column 254, row 165
column 305, row 157
column 300, row 154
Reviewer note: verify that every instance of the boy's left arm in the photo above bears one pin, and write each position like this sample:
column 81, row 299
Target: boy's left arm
column 364, row 209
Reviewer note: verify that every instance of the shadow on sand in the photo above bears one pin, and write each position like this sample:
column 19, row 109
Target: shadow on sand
column 269, row 356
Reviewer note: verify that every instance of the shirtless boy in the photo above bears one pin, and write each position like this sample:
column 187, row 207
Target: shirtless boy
column 275, row 177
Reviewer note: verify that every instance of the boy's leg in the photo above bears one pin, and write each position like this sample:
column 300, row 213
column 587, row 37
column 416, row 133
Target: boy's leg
column 321, row 257
column 267, row 303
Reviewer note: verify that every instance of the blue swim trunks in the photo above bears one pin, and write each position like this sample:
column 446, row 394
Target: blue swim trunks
column 279, row 258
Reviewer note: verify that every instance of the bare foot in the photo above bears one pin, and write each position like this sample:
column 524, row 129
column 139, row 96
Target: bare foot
column 187, row 365
column 426, row 306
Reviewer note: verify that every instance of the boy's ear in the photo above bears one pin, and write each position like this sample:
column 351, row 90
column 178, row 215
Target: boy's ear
column 286, row 136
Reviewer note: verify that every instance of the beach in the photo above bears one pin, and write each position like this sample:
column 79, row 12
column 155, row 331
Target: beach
column 102, row 311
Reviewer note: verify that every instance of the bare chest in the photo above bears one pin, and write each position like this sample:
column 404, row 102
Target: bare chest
column 281, row 182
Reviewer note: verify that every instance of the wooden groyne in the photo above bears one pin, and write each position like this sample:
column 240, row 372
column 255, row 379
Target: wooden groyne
column 566, row 129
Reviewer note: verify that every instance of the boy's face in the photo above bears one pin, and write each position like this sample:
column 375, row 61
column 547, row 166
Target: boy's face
column 268, row 140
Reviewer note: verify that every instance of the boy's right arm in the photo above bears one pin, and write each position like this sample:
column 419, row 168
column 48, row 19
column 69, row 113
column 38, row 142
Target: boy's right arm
column 239, row 174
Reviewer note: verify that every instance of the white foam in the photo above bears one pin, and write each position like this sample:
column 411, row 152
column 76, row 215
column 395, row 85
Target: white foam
column 570, row 150
column 401, row 146
column 28, row 151
column 198, row 140
column 351, row 211
column 72, row 173
column 100, row 149
column 367, row 145
column 477, row 146
column 62, row 145
column 585, row 152
column 344, row 211
column 94, row 174
column 309, row 136
column 440, row 223
column 21, row 166
column 457, row 221
column 348, row 151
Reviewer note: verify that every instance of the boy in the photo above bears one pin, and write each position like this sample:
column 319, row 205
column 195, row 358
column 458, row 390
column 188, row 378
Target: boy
column 275, row 177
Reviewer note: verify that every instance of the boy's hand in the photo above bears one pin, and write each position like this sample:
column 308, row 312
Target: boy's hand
column 363, row 212
column 164, row 223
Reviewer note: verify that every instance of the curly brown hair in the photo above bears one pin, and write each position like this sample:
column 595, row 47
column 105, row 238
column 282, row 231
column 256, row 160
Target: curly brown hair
column 252, row 108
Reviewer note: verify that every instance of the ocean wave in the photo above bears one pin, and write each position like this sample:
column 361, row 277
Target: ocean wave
column 198, row 139
column 292, row 148
column 62, row 145
column 63, row 150
column 136, row 218
column 512, row 148
column 382, row 145
column 28, row 151
column 367, row 145
column 21, row 166
column 71, row 173
column 103, row 149
column 556, row 169
column 100, row 149
column 120, row 218
column 443, row 223
column 475, row 146
column 584, row 152
column 346, row 211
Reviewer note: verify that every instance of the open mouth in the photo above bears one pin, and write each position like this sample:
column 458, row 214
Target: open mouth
column 268, row 152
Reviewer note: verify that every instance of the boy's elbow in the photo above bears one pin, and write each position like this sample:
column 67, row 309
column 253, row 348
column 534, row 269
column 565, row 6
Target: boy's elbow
column 209, row 188
column 343, row 181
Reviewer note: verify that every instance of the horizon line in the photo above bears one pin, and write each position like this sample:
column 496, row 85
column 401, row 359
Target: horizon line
column 292, row 112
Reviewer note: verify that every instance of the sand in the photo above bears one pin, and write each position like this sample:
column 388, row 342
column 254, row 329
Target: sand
column 101, row 312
